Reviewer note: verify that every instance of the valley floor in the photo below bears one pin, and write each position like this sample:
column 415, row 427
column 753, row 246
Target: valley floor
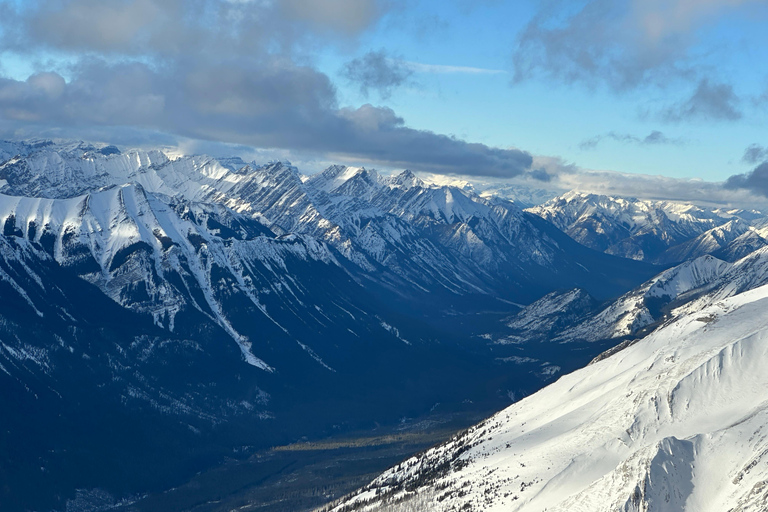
column 300, row 476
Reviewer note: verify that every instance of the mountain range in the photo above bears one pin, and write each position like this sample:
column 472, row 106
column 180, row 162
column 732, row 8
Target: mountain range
column 662, row 232
column 163, row 314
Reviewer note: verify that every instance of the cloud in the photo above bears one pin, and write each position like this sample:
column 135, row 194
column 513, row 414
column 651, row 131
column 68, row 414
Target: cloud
column 272, row 105
column 348, row 16
column 756, row 180
column 376, row 70
column 221, row 71
column 755, row 153
column 382, row 137
column 623, row 44
column 710, row 101
column 178, row 27
column 540, row 175
column 565, row 176
column 656, row 137
column 440, row 68
column 560, row 176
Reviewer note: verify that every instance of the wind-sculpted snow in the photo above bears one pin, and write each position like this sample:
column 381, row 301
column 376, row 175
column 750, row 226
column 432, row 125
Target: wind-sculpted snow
column 673, row 422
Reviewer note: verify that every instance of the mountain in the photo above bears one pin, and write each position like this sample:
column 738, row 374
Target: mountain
column 662, row 232
column 404, row 234
column 673, row 422
column 202, row 309
column 548, row 316
column 87, row 383
column 730, row 241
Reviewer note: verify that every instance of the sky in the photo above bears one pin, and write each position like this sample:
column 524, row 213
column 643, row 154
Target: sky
column 652, row 98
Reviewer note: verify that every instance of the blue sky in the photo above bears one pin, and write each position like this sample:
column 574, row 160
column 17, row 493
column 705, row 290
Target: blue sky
column 554, row 117
column 488, row 89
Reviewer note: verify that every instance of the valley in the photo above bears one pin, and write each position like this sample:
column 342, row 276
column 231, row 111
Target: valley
column 240, row 335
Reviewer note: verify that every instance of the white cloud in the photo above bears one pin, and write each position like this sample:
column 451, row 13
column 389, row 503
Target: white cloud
column 439, row 68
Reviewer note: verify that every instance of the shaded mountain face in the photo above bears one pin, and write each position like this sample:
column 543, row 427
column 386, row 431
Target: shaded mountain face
column 201, row 308
column 661, row 232
column 92, row 391
column 674, row 421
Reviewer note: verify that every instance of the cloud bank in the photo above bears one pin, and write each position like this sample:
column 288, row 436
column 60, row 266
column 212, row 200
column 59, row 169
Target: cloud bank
column 755, row 180
column 220, row 70
column 561, row 176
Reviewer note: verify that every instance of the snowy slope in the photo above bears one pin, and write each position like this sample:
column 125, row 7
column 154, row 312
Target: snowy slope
column 164, row 259
column 571, row 316
column 730, row 242
column 544, row 319
column 675, row 422
column 681, row 290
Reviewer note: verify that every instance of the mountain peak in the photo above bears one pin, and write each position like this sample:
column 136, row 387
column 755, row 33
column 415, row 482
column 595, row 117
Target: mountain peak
column 335, row 176
column 406, row 179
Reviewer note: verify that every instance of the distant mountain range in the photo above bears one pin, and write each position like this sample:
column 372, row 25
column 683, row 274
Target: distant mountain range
column 661, row 232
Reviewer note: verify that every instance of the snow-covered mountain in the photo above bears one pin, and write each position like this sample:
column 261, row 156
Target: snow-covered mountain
column 675, row 421
column 655, row 231
column 163, row 260
column 398, row 230
column 730, row 242
column 225, row 300
column 574, row 316
column 231, row 304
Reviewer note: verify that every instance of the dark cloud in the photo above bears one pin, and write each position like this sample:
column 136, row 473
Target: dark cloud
column 218, row 70
column 755, row 180
column 540, row 175
column 381, row 136
column 654, row 138
column 377, row 71
column 710, row 101
column 755, row 153
column 272, row 105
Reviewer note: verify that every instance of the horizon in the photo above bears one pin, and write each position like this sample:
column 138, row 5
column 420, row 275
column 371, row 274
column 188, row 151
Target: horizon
column 610, row 184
